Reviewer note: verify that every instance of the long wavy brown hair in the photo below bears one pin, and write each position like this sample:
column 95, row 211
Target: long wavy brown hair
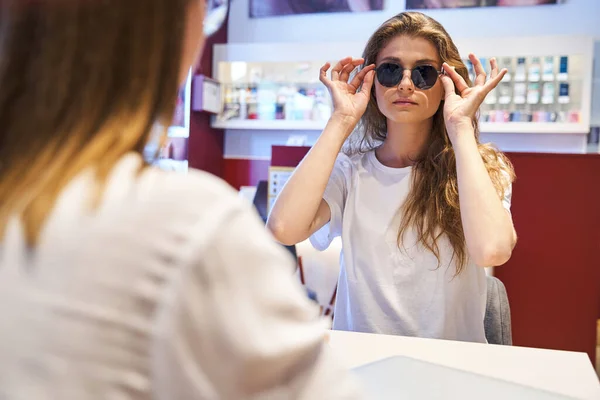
column 432, row 206
column 83, row 83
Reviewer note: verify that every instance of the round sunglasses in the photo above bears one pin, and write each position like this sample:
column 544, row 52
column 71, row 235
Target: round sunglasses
column 423, row 76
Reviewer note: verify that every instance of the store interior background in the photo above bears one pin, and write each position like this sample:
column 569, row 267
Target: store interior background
column 553, row 278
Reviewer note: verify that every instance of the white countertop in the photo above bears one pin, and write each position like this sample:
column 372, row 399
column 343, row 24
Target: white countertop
column 562, row 372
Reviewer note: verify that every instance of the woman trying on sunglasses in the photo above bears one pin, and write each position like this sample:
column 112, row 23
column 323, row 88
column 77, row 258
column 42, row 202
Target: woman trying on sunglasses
column 420, row 204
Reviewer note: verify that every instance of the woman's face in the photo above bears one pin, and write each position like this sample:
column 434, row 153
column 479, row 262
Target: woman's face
column 404, row 103
column 194, row 36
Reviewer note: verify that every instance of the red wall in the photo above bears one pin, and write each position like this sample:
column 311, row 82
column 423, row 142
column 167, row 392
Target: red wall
column 205, row 146
column 242, row 172
column 245, row 172
column 553, row 277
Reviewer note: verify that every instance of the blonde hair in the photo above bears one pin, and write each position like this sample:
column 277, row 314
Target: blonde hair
column 83, row 83
column 432, row 206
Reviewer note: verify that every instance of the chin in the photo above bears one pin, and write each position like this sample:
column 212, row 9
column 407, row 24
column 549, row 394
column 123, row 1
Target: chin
column 405, row 117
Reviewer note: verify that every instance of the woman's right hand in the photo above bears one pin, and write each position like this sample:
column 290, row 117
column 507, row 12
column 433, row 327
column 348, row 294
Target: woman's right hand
column 349, row 103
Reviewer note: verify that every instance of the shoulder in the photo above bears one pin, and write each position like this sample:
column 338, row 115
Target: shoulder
column 158, row 200
column 196, row 188
column 197, row 195
column 350, row 163
column 354, row 158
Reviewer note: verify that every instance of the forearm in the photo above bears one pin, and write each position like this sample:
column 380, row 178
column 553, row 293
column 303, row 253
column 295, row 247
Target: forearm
column 293, row 215
column 488, row 229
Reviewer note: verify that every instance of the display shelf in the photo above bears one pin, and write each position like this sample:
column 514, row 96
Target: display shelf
column 270, row 125
column 255, row 72
column 485, row 127
column 533, row 127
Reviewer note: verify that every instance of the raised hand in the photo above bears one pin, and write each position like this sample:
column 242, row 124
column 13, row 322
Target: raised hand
column 460, row 109
column 348, row 102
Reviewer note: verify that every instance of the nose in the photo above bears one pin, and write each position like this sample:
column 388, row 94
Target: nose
column 406, row 84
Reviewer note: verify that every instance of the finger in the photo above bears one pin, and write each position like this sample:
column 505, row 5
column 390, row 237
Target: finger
column 493, row 82
column 348, row 68
column 323, row 74
column 335, row 72
column 346, row 71
column 479, row 70
column 365, row 90
column 494, row 66
column 458, row 80
column 360, row 77
column 449, row 87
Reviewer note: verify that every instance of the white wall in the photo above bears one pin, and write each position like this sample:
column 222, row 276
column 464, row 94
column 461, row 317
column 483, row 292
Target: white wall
column 574, row 17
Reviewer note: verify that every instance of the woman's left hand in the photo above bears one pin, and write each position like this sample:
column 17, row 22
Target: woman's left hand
column 460, row 109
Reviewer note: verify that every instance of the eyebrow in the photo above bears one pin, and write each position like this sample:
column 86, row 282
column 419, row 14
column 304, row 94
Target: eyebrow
column 422, row 61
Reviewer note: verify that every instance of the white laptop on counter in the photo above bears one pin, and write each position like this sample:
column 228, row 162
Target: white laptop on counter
column 399, row 378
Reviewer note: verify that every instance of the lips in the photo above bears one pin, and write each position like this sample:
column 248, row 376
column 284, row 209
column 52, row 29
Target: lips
column 404, row 101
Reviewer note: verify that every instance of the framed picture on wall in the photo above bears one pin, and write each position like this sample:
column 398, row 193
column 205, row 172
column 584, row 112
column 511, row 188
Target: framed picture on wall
column 272, row 8
column 429, row 4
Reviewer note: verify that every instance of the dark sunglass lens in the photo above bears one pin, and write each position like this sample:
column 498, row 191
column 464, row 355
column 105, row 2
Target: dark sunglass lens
column 424, row 76
column 389, row 74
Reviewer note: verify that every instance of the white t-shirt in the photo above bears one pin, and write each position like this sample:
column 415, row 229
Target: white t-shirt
column 385, row 289
column 170, row 289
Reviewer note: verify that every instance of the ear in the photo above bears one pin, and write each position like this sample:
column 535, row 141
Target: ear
column 373, row 98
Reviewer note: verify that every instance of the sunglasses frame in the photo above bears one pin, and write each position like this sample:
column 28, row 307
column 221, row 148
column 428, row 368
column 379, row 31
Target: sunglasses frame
column 439, row 72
